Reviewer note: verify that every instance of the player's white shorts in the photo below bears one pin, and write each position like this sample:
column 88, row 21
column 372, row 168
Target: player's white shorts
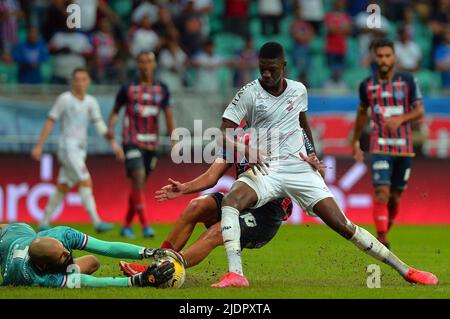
column 73, row 166
column 298, row 181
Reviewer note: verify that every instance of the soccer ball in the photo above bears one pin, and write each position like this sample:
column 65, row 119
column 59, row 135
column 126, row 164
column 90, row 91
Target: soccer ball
column 178, row 276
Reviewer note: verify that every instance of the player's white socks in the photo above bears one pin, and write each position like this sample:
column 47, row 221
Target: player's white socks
column 54, row 201
column 371, row 246
column 87, row 198
column 231, row 233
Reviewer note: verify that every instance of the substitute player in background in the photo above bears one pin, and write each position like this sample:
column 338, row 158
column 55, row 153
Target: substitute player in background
column 75, row 109
column 144, row 98
column 395, row 101
column 43, row 259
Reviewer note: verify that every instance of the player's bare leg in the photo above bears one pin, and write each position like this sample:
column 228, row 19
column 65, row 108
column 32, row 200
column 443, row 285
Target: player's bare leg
column 393, row 205
column 88, row 264
column 88, row 201
column 381, row 213
column 328, row 210
column 208, row 241
column 193, row 255
column 200, row 210
column 240, row 197
column 54, row 201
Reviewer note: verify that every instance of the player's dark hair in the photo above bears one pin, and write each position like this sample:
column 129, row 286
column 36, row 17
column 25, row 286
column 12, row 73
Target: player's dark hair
column 381, row 43
column 80, row 69
column 271, row 50
column 144, row 52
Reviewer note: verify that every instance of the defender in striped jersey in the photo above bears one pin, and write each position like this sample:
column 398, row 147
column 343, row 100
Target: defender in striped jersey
column 45, row 259
column 395, row 101
column 143, row 98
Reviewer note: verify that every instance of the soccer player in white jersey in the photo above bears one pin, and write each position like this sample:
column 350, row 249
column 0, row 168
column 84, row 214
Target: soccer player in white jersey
column 273, row 102
column 75, row 109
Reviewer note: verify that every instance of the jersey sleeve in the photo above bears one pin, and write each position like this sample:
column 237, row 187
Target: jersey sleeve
column 57, row 108
column 239, row 107
column 69, row 237
column 415, row 93
column 121, row 98
column 363, row 98
column 167, row 99
column 302, row 101
column 95, row 112
column 50, row 280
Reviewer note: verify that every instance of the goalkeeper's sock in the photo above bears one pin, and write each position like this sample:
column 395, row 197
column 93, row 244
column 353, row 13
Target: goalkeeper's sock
column 88, row 201
column 231, row 232
column 371, row 246
column 55, row 200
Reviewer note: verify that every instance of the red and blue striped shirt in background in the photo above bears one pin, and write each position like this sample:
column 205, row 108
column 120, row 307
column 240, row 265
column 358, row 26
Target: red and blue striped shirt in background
column 143, row 102
column 8, row 26
column 387, row 99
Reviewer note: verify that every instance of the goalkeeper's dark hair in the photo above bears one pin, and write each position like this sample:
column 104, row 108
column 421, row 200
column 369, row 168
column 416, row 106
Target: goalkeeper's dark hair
column 381, row 43
column 271, row 50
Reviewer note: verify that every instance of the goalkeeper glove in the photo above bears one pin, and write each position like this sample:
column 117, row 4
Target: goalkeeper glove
column 161, row 253
column 155, row 275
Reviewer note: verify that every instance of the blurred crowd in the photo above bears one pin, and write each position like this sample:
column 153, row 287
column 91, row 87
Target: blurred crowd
column 196, row 40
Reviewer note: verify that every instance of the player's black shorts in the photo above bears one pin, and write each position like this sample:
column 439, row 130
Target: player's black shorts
column 258, row 226
column 137, row 158
column 390, row 170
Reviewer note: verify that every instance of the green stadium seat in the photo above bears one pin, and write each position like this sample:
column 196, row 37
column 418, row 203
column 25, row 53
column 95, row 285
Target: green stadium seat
column 429, row 81
column 122, row 8
column 354, row 76
column 317, row 45
column 255, row 27
column 352, row 56
column 228, row 44
column 8, row 73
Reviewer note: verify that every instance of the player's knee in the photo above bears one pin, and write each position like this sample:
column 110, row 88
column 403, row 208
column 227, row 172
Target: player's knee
column 85, row 183
column 195, row 209
column 63, row 188
column 234, row 199
column 94, row 264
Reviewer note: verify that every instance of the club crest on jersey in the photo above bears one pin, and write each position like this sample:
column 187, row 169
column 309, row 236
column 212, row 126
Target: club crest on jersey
column 399, row 95
column 290, row 105
column 377, row 109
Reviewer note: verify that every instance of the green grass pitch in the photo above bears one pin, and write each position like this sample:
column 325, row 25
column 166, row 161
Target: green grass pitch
column 307, row 261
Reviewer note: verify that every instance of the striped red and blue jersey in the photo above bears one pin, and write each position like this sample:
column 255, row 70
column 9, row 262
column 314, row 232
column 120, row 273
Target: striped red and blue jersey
column 388, row 99
column 143, row 103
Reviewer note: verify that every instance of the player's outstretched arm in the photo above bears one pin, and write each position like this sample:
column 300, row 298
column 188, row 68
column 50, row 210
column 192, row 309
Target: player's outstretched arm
column 153, row 276
column 207, row 180
column 125, row 250
column 36, row 153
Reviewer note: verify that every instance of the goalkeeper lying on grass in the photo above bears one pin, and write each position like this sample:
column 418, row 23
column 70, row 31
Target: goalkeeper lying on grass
column 42, row 259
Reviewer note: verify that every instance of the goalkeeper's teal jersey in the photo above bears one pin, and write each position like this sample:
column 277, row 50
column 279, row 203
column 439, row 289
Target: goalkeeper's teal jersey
column 16, row 267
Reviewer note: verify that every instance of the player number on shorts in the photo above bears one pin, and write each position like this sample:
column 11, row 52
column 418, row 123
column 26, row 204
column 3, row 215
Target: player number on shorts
column 249, row 219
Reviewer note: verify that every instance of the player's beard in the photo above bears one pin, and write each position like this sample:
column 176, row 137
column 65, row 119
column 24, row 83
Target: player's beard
column 383, row 73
